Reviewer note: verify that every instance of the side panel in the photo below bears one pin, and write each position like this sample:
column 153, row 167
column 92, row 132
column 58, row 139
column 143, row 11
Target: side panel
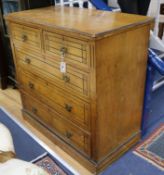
column 120, row 73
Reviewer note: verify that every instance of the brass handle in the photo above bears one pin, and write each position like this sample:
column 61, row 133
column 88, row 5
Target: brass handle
column 68, row 134
column 31, row 85
column 24, row 38
column 68, row 107
column 63, row 51
column 34, row 110
column 66, row 78
column 27, row 60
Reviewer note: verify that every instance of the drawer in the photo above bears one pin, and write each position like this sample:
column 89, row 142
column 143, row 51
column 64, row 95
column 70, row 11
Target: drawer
column 74, row 80
column 52, row 120
column 70, row 107
column 77, row 52
column 26, row 37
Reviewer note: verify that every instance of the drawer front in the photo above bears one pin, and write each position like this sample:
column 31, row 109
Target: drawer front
column 55, row 123
column 73, row 80
column 71, row 108
column 76, row 52
column 26, row 37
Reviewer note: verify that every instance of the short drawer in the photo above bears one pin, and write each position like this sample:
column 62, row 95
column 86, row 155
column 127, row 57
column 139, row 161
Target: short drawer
column 52, row 120
column 76, row 51
column 26, row 37
column 74, row 80
column 70, row 107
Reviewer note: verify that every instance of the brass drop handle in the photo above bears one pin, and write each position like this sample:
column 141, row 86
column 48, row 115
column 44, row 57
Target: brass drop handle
column 27, row 60
column 68, row 134
column 63, row 51
column 68, row 107
column 66, row 78
column 31, row 85
column 24, row 38
column 34, row 110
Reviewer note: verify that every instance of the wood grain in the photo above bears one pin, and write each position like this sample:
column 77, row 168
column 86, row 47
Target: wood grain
column 79, row 111
column 73, row 79
column 102, row 89
column 52, row 120
column 77, row 51
column 10, row 100
column 121, row 72
column 92, row 23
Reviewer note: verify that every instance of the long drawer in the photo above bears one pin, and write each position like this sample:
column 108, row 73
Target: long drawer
column 74, row 80
column 76, row 51
column 52, row 120
column 70, row 107
column 26, row 38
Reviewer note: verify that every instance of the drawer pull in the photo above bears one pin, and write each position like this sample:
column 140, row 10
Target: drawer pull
column 63, row 51
column 66, row 78
column 24, row 38
column 27, row 60
column 31, row 85
column 68, row 134
column 34, row 110
column 68, row 107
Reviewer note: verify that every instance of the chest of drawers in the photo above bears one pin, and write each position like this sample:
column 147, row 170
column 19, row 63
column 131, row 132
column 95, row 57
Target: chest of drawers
column 93, row 109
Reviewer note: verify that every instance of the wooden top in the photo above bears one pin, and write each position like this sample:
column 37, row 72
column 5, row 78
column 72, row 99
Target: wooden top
column 89, row 22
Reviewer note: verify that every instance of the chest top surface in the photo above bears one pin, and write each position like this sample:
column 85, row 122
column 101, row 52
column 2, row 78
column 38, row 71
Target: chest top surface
column 89, row 22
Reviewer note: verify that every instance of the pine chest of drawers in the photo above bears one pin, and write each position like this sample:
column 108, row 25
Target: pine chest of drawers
column 82, row 75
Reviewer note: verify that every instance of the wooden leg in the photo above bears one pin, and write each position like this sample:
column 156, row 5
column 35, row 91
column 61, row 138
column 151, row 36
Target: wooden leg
column 3, row 82
column 3, row 66
column 162, row 9
column 161, row 29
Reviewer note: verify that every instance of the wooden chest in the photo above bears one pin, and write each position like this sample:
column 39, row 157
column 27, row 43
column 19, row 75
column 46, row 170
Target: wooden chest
column 92, row 106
